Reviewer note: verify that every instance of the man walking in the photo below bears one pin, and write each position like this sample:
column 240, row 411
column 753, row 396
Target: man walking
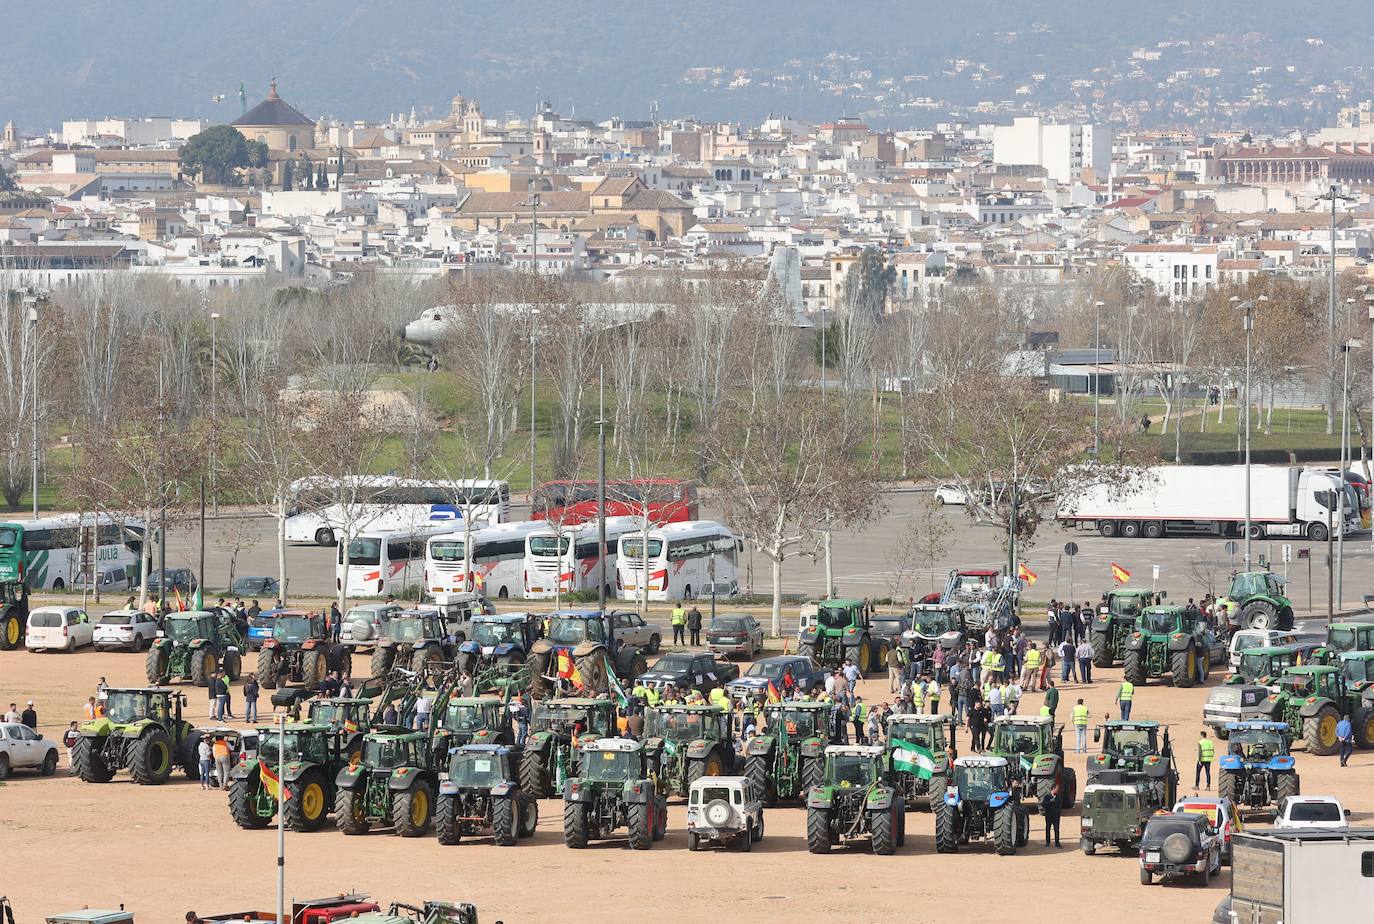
column 1050, row 807
column 1124, row 694
column 1345, row 735
column 1206, row 753
column 694, row 624
column 1052, row 699
column 1085, row 661
column 1080, row 727
column 250, row 699
column 679, row 621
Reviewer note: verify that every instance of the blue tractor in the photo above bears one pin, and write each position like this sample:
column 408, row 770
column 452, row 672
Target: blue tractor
column 1257, row 771
column 497, row 649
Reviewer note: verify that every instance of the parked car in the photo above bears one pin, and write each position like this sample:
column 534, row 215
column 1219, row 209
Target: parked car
column 718, row 589
column 58, row 628
column 631, row 629
column 1222, row 817
column 1179, row 845
column 177, row 580
column 109, row 579
column 724, row 810
column 803, row 671
column 1312, row 812
column 1234, row 703
column 733, row 633
column 254, row 587
column 22, row 748
column 131, row 629
column 699, row 672
column 1258, row 638
column 363, row 625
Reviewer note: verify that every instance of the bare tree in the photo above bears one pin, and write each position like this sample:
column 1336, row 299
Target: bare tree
column 275, row 458
column 26, row 371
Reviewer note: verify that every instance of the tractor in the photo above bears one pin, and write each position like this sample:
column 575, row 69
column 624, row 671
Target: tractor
column 855, row 800
column 941, row 624
column 789, row 757
column 983, row 804
column 579, row 647
column 194, row 646
column 1171, row 640
column 143, row 730
column 1132, row 751
column 392, row 784
column 428, row 913
column 1259, row 599
column 686, row 743
column 471, row 720
column 412, row 640
column 1034, row 748
column 348, row 719
column 1308, row 701
column 1263, row 666
column 480, row 793
column 314, row 759
column 1345, row 636
column 295, row 653
column 504, row 639
column 1115, row 621
column 14, row 614
column 558, row 729
column 1257, row 771
column 842, row 632
column 1357, row 669
column 921, row 749
column 613, row 789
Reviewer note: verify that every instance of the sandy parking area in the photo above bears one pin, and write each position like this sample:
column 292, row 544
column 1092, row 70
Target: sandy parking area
column 165, row 850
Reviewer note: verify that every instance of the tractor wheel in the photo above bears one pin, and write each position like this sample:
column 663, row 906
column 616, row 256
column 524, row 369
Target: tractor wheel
column 427, row 660
column 1183, row 667
column 382, row 661
column 864, row 656
column 1319, row 731
column 1042, row 788
column 712, row 765
column 1102, row 650
column 466, row 662
column 267, row 669
column 350, row 816
column 882, row 825
column 1022, row 829
column 1227, row 785
column 233, row 665
column 155, row 666
column 89, row 762
column 11, row 632
column 307, row 808
column 529, row 815
column 812, row 774
column 412, row 810
column 1223, row 733
column 242, row 799
column 660, row 819
column 539, row 667
column 639, row 821
column 592, row 668
column 575, row 824
column 534, row 775
column 935, row 795
column 1259, row 614
column 1004, row 829
column 756, row 768
column 901, row 823
column 505, row 822
column 150, row 759
column 1068, row 788
column 946, row 838
column 818, row 830
column 1087, row 846
column 202, row 667
column 1285, row 785
column 1133, row 668
column 1364, row 728
column 446, row 822
column 312, row 669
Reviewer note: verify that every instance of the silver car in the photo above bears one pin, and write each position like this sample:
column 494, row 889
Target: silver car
column 631, row 629
column 1234, row 703
column 724, row 810
column 363, row 625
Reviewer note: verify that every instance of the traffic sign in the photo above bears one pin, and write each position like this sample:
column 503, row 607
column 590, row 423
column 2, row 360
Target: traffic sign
column 1156, row 576
column 1071, row 549
column 1287, row 552
column 1232, row 547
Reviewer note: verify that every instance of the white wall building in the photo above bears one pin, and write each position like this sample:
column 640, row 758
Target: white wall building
column 1176, row 270
column 1063, row 150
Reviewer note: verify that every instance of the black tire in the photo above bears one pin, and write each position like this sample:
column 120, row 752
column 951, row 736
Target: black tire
column 1319, row 731
column 1227, row 785
column 1364, row 728
column 382, row 660
column 49, row 765
column 308, row 807
column 324, row 537
column 534, row 775
column 692, row 841
column 445, row 822
column 348, row 811
column 661, row 819
column 242, row 798
column 817, row 830
column 1133, row 668
column 233, row 665
column 1004, row 829
column 882, row 827
column 1183, row 667
column 1068, row 788
column 89, row 763
column 267, row 669
column 746, row 843
column 756, row 768
column 1223, row 733
column 1153, row 530
column 935, row 795
column 505, row 822
column 150, row 758
column 202, row 667
column 155, row 666
column 575, row 824
column 412, row 810
column 1146, row 877
column 1259, row 614
column 312, row 669
column 807, row 651
column 812, row 774
column 655, row 644
column 1130, row 529
column 1317, row 532
column 11, row 632
column 4, row 767
column 1087, row 846
column 1287, row 784
column 946, row 838
column 1107, row 529
column 592, row 668
column 639, row 823
column 1102, row 650
column 529, row 815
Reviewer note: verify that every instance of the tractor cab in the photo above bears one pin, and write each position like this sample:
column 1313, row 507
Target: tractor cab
column 1257, row 742
column 1350, row 636
column 292, row 628
column 1129, row 742
column 1357, row 667
column 927, row 731
column 681, row 724
column 183, row 628
column 411, row 626
column 480, row 766
column 613, row 760
column 855, row 766
column 566, row 716
column 301, row 741
column 978, row 778
column 1311, row 680
column 1023, row 735
column 127, row 706
column 341, row 714
column 798, row 719
column 472, row 719
column 384, row 753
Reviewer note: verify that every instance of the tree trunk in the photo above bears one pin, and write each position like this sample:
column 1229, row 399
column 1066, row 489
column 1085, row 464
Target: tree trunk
column 777, row 596
column 281, row 549
column 145, row 556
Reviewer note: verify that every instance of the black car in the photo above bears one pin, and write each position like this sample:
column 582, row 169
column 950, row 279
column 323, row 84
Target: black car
column 177, row 579
column 699, row 672
column 754, row 684
column 254, row 587
column 1179, row 844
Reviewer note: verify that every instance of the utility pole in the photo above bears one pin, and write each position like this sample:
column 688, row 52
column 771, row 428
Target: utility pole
column 1249, row 307
column 214, row 416
column 33, row 388
column 534, row 313
column 1333, row 193
column 601, row 489
column 1097, row 380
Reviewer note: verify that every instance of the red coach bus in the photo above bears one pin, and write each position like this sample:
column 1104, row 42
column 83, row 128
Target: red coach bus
column 669, row 500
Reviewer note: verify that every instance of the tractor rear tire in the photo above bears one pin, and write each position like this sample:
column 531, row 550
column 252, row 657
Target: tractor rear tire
column 155, row 666
column 756, row 769
column 818, row 830
column 11, row 632
column 935, row 795
column 1227, row 785
column 528, row 808
column 1183, row 667
column 242, row 798
column 267, row 669
column 946, row 838
column 505, row 822
column 534, row 776
column 1319, row 731
column 412, row 810
column 349, row 816
column 1102, row 650
column 882, row 825
column 427, row 660
column 863, row 657
column 150, row 758
column 592, row 669
column 233, row 665
column 382, row 661
column 1004, row 829
column 575, row 824
column 1364, row 728
column 1259, row 614
column 1286, row 785
column 202, row 666
column 1068, row 788
column 640, row 824
column 312, row 669
column 807, row 651
column 1133, row 668
column 446, row 822
column 712, row 765
column 307, row 808
column 1022, row 829
column 812, row 774
column 89, row 762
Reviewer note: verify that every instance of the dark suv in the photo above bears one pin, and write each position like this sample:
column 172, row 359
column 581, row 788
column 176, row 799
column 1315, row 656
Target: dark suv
column 177, row 579
column 1179, row 844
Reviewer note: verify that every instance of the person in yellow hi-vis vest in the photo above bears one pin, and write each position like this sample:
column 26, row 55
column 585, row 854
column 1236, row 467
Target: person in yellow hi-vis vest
column 1030, row 672
column 1206, row 753
column 1124, row 695
column 1080, row 727
column 679, row 621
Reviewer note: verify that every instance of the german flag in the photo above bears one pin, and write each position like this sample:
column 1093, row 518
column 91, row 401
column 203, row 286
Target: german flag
column 272, row 783
column 1120, row 574
column 773, row 695
column 1026, row 574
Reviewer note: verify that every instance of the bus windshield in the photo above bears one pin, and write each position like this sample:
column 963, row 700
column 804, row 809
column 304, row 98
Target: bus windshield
column 634, row 548
column 363, row 551
column 548, row 545
column 446, row 550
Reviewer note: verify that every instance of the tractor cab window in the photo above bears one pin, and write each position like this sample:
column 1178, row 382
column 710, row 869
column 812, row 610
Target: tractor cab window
column 464, row 717
column 565, row 631
column 852, row 770
column 1255, row 744
column 123, row 708
column 1131, row 742
column 338, row 715
column 676, row 726
column 291, row 628
column 927, row 736
column 1018, row 740
column 1296, row 684
column 406, row 629
column 1124, row 605
column 835, row 617
column 476, row 769
column 1356, row 670
column 1341, row 638
column 612, row 766
column 186, row 630
column 385, row 754
column 932, row 622
column 977, row 783
column 495, row 633
column 1247, row 585
column 1158, row 623
column 793, row 722
column 1260, row 665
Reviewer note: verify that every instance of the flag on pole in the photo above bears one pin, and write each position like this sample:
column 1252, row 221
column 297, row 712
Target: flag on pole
column 272, row 783
column 773, row 695
column 1024, row 572
column 613, row 682
column 913, row 758
column 565, row 664
column 1120, row 574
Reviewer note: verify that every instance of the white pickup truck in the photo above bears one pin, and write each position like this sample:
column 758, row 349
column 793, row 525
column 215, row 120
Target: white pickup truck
column 1322, row 812
column 22, row 748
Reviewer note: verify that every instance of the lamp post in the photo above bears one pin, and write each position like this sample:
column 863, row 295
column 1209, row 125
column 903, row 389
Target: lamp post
column 33, row 350
column 214, row 414
column 1334, row 194
column 1097, row 378
column 534, row 313
column 1369, row 301
column 1249, row 306
column 1346, row 347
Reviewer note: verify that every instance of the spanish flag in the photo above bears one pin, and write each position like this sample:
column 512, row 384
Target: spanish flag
column 272, row 783
column 565, row 664
column 575, row 678
column 1120, row 574
column 1026, row 574
column 773, row 695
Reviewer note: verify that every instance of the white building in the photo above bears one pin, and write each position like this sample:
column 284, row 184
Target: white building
column 155, row 130
column 1063, row 150
column 1176, row 270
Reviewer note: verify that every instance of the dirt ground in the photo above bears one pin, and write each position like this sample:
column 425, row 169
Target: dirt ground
column 165, row 850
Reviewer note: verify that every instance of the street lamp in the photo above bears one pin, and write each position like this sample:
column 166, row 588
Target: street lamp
column 534, row 313
column 1097, row 377
column 1346, row 347
column 1334, row 194
column 33, row 362
column 1249, row 306
column 537, row 185
column 214, row 412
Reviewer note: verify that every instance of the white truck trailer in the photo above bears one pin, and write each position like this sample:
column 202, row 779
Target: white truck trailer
column 1177, row 500
column 1302, row 876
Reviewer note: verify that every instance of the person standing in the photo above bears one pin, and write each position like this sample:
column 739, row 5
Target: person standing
column 1051, row 699
column 205, row 755
column 221, row 752
column 860, row 718
column 1047, row 667
column 1124, row 695
column 423, row 706
column 29, row 717
column 89, row 710
column 1031, row 671
column 679, row 621
column 894, row 669
column 1084, row 651
column 69, row 739
column 694, row 625
column 994, row 700
column 933, row 696
column 1206, row 753
column 1050, row 806
column 1080, row 727
column 250, row 698
column 976, row 726
column 521, row 716
column 1345, row 735
column 221, row 691
column 1068, row 659
column 335, row 622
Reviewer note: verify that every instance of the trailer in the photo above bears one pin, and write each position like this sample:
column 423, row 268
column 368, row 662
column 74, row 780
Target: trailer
column 1178, row 500
column 1301, row 876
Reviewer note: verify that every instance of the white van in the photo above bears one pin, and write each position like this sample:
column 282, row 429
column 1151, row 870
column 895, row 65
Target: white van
column 1245, row 639
column 58, row 628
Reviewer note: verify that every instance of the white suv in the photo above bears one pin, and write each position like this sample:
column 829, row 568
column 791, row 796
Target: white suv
column 22, row 748
column 1312, row 812
column 724, row 809
column 131, row 629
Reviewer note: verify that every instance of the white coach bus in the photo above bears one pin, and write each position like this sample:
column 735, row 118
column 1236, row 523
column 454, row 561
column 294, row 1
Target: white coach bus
column 683, row 559
column 385, row 561
column 567, row 560
column 386, row 502
column 493, row 566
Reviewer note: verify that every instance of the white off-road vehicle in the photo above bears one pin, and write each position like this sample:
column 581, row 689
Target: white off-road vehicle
column 724, row 809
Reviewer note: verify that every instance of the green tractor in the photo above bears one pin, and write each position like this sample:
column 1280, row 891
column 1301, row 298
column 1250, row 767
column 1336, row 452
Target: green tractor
column 856, row 799
column 921, row 749
column 1115, row 621
column 1309, row 700
column 315, row 756
column 686, row 743
column 143, row 730
column 789, row 757
column 14, row 614
column 1171, row 640
column 1034, row 748
column 393, row 784
column 583, row 640
column 1357, row 668
column 1342, row 637
column 348, row 719
column 1133, row 749
column 1263, row 666
column 558, row 729
column 1259, row 599
column 480, row 795
column 842, row 632
column 194, row 646
column 613, row 789
column 294, row 653
column 471, row 720
column 412, row 640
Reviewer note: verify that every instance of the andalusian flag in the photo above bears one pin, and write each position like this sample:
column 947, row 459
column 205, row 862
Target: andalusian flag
column 1120, row 574
column 773, row 695
column 614, row 683
column 272, row 783
column 1026, row 574
column 913, row 758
